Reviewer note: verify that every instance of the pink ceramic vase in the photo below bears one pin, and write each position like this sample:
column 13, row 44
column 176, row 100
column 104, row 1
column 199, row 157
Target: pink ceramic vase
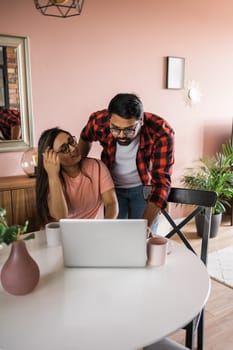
column 20, row 273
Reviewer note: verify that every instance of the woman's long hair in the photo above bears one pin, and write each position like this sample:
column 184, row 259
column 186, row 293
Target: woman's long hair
column 42, row 186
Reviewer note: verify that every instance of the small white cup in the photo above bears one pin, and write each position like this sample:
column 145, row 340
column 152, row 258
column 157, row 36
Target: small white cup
column 157, row 247
column 53, row 234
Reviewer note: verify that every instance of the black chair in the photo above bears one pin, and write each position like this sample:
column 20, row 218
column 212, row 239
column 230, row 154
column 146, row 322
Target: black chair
column 203, row 202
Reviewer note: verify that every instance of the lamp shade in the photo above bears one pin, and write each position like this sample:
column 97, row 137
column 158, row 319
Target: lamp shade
column 29, row 161
column 59, row 8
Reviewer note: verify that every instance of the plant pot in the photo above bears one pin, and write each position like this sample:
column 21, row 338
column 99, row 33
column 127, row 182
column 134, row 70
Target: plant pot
column 20, row 273
column 214, row 226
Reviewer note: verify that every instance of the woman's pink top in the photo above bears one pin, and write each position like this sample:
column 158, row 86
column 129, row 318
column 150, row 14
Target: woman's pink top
column 84, row 194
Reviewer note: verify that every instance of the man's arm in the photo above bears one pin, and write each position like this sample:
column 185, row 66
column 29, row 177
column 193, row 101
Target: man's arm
column 150, row 213
column 84, row 147
column 15, row 132
column 162, row 162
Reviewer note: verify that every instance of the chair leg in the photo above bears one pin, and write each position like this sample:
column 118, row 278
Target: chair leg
column 200, row 332
column 189, row 337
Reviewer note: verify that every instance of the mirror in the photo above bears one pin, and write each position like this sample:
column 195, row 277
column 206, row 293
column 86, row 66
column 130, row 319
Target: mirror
column 16, row 129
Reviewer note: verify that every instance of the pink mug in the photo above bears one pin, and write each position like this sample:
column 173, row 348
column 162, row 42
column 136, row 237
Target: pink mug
column 157, row 248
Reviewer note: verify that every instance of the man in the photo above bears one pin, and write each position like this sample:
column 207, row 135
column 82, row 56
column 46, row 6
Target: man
column 138, row 150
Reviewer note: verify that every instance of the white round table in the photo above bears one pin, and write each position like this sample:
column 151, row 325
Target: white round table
column 101, row 308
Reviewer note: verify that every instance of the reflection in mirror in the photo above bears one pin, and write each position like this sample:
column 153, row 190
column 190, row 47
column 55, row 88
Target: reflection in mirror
column 16, row 127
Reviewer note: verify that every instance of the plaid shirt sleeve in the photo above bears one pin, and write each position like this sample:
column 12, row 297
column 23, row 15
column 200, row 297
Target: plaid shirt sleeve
column 156, row 161
column 96, row 127
column 8, row 119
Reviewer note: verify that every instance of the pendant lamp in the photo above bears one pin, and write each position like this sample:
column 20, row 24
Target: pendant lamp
column 59, row 8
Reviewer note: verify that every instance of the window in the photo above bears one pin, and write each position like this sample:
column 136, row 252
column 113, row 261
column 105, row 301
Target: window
column 4, row 93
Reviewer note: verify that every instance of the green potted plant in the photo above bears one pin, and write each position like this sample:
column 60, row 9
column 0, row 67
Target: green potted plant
column 20, row 273
column 9, row 234
column 213, row 174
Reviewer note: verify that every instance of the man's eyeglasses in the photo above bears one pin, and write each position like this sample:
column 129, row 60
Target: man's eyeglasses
column 128, row 132
column 65, row 148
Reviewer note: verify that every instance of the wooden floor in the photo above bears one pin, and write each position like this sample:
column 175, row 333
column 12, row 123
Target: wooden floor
column 219, row 308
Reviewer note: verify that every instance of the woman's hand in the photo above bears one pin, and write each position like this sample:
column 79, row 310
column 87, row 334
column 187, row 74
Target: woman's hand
column 51, row 162
column 56, row 200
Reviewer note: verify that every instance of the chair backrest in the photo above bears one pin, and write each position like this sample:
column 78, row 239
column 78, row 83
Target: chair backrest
column 203, row 202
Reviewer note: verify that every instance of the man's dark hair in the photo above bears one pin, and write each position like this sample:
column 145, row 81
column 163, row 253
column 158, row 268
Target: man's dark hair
column 126, row 106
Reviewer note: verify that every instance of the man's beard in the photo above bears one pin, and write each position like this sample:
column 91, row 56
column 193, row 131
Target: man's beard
column 124, row 141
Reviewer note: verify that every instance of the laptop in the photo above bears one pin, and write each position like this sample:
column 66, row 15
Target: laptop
column 104, row 242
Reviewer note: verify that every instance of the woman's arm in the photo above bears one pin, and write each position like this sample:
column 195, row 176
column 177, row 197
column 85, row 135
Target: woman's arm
column 110, row 204
column 108, row 192
column 56, row 199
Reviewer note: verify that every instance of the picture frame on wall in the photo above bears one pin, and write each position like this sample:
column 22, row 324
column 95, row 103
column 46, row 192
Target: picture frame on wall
column 175, row 72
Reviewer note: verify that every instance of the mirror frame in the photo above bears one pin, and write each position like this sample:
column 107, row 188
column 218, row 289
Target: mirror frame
column 22, row 49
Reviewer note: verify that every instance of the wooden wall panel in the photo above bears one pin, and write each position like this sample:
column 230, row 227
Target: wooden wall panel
column 5, row 202
column 24, row 208
column 18, row 197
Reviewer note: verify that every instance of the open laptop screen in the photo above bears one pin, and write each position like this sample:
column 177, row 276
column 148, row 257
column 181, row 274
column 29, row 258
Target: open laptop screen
column 104, row 243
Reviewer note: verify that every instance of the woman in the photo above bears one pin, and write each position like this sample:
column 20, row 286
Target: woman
column 68, row 186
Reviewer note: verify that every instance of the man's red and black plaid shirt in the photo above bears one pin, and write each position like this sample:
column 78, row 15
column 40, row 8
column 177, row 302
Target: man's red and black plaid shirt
column 155, row 155
column 8, row 119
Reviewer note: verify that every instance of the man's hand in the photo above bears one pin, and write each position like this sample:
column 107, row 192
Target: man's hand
column 150, row 213
column 84, row 147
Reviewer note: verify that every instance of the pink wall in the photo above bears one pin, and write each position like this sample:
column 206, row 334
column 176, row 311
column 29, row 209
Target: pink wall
column 78, row 64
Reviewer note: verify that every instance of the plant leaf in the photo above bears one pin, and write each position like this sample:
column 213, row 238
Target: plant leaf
column 2, row 212
column 214, row 174
column 11, row 234
column 29, row 236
